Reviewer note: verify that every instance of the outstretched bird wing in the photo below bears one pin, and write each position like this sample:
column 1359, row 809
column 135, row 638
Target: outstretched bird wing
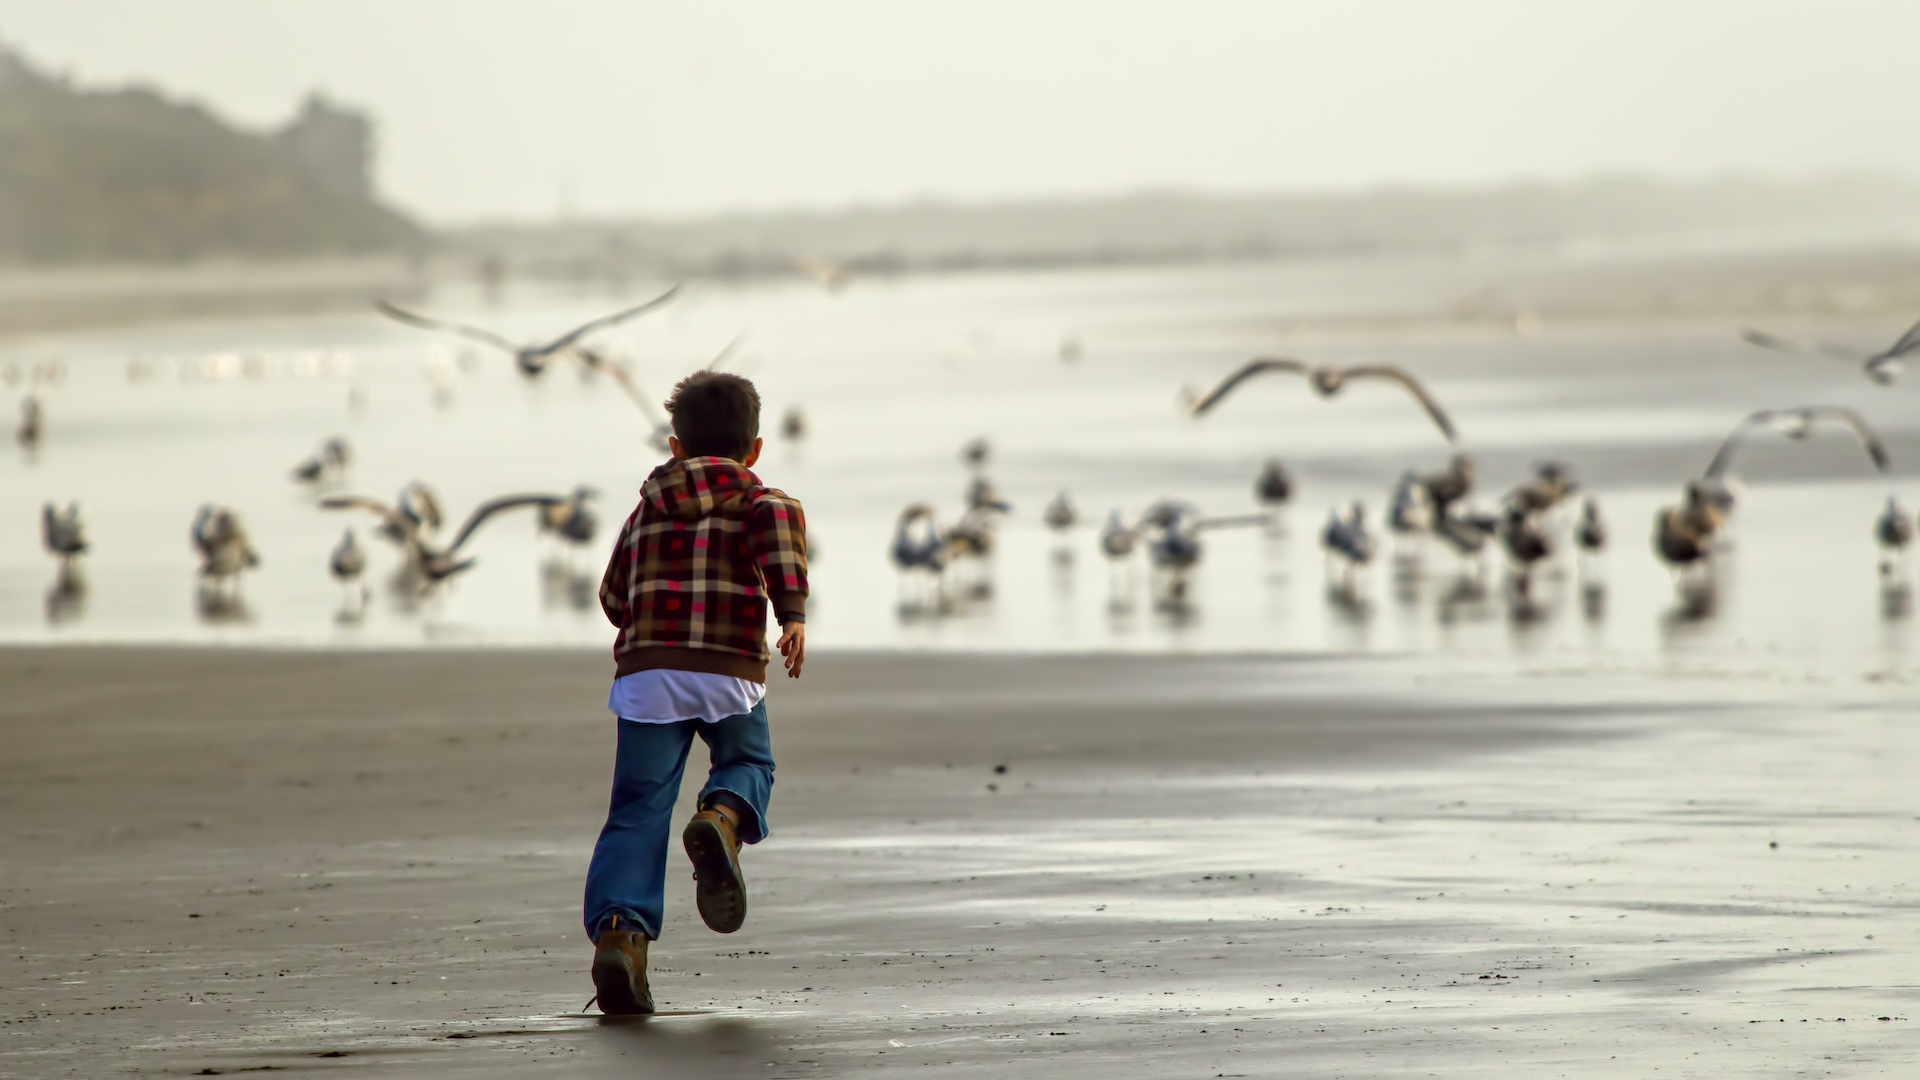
column 1787, row 345
column 1909, row 342
column 1853, row 421
column 601, row 323
column 494, row 506
column 619, row 374
column 404, row 524
column 1772, row 341
column 1257, row 366
column 1869, row 441
column 1413, row 386
column 1233, row 521
column 721, row 356
column 471, row 333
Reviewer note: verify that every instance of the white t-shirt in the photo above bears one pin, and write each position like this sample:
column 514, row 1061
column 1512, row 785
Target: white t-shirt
column 665, row 696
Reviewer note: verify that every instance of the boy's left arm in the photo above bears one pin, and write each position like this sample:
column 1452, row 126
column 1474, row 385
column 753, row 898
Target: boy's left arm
column 778, row 536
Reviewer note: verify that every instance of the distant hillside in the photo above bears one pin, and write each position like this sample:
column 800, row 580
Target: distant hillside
column 1721, row 215
column 127, row 175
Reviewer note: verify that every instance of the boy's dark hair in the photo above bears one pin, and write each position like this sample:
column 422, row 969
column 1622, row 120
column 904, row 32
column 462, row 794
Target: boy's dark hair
column 715, row 415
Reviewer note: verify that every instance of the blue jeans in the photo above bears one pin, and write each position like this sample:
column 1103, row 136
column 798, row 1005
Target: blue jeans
column 628, row 874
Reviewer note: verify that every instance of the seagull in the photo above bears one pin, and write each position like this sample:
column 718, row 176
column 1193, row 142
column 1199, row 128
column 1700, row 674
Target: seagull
column 1328, row 381
column 1526, row 544
column 326, row 463
column 1448, row 486
column 1796, row 423
column 1060, row 514
column 1176, row 527
column 1409, row 511
column 1683, row 535
column 976, row 452
column 1893, row 529
column 1347, row 539
column 222, row 543
column 571, row 519
column 62, row 533
column 917, row 541
column 982, row 495
column 419, row 512
column 349, row 559
column 1273, row 486
column 435, row 565
column 33, row 422
column 972, row 535
column 1590, row 532
column 1551, row 484
column 1116, row 540
column 1882, row 367
column 531, row 359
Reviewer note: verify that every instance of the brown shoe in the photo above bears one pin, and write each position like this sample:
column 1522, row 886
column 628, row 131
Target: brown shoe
column 620, row 973
column 721, row 892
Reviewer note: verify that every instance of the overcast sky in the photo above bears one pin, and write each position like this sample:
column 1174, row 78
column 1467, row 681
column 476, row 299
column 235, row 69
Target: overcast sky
column 489, row 108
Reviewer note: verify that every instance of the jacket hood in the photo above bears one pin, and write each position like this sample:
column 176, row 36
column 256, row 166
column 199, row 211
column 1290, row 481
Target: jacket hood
column 689, row 489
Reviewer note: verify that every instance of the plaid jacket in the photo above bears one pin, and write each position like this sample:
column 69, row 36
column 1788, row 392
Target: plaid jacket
column 698, row 563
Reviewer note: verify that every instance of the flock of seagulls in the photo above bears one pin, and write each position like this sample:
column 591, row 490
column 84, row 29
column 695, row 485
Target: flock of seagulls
column 1529, row 525
column 945, row 564
column 411, row 522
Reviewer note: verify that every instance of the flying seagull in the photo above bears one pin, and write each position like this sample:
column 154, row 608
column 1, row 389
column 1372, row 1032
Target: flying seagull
column 1882, row 367
column 662, row 424
column 1797, row 424
column 1328, row 381
column 437, row 564
column 531, row 359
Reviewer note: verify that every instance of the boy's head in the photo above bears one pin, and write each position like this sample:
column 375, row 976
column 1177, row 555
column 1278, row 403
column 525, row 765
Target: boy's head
column 715, row 415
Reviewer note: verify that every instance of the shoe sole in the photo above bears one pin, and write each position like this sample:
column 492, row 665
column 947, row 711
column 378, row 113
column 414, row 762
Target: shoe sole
column 614, row 981
column 720, row 890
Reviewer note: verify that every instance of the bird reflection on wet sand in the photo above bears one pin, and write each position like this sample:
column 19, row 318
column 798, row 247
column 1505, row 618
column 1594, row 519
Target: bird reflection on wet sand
column 67, row 596
column 563, row 586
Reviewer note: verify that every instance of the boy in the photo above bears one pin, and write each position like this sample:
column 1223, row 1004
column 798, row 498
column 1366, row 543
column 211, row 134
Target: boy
column 703, row 557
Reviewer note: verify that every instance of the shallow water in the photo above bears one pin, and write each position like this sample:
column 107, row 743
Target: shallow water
column 893, row 376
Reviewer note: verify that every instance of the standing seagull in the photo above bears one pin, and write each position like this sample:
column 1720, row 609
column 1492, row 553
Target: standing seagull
column 1409, row 511
column 1273, row 487
column 1327, row 382
column 530, row 359
column 1882, row 367
column 61, row 532
column 225, row 551
column 1893, row 529
column 33, row 422
column 1346, row 538
column 571, row 519
column 1591, row 532
column 1683, row 535
column 1448, row 486
column 1060, row 514
column 1526, row 543
column 347, row 563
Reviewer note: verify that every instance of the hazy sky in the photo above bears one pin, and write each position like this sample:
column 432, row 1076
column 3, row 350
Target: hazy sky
column 489, row 108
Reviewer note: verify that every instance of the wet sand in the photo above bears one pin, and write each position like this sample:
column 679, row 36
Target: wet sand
column 309, row 862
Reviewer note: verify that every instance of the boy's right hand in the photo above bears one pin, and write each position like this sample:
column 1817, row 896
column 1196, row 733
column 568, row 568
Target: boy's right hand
column 793, row 647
